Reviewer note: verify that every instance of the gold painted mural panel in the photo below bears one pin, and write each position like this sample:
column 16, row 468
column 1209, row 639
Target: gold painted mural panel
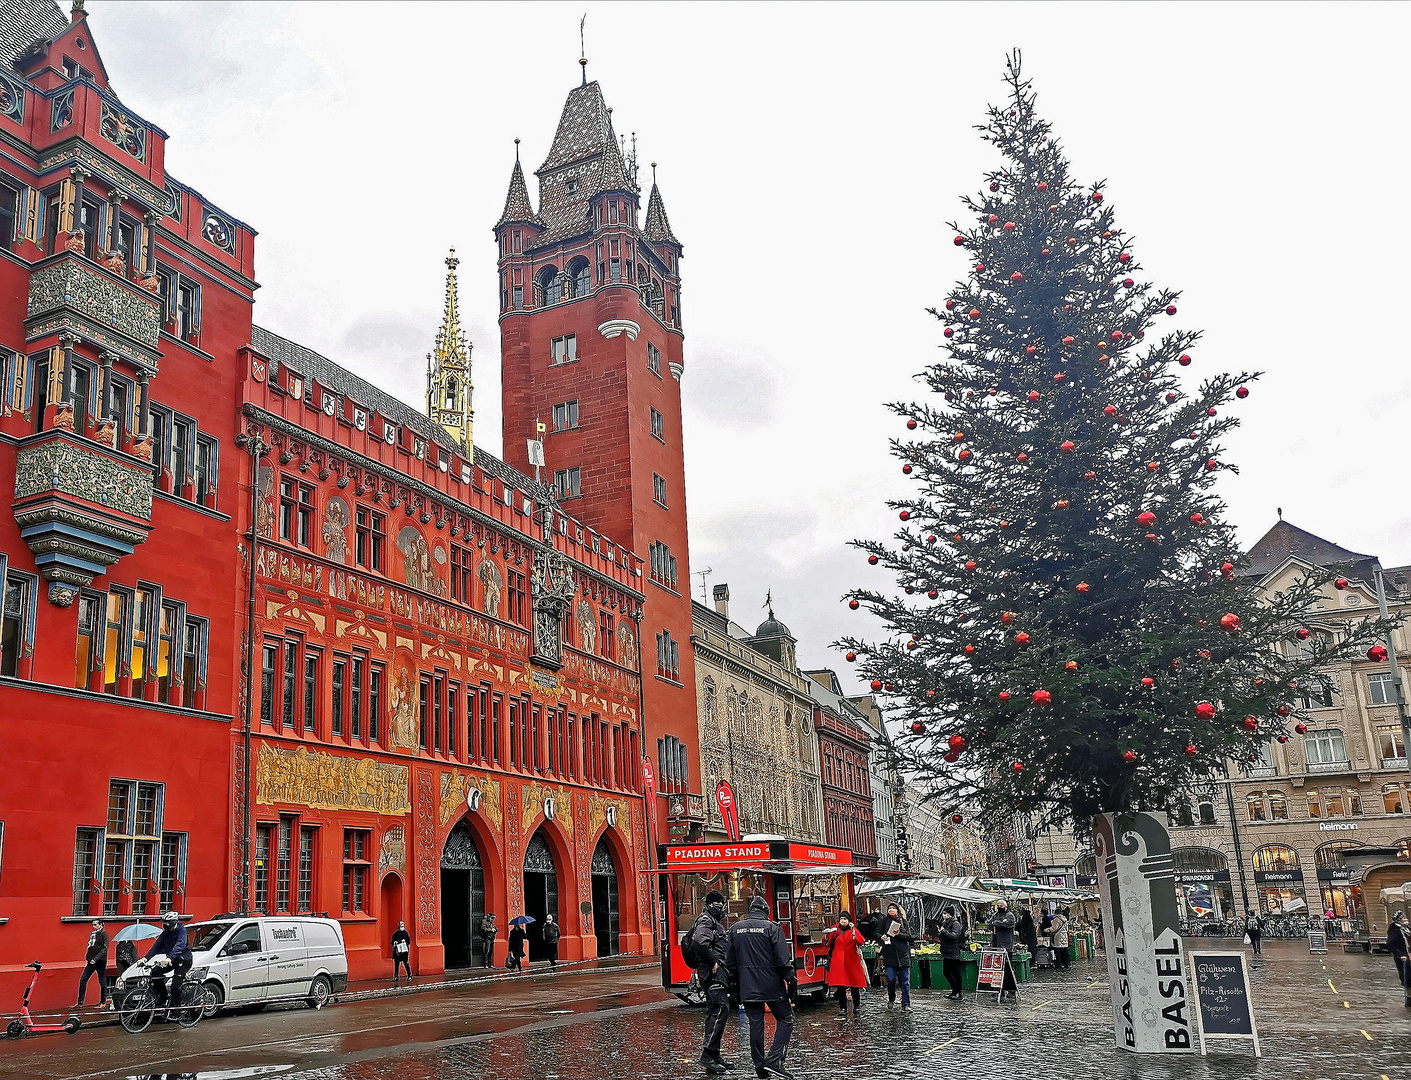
column 330, row 782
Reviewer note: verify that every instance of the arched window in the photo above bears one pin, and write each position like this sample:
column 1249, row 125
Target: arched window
column 1392, row 801
column 1278, row 806
column 546, row 287
column 1334, row 802
column 450, row 395
column 1275, row 857
column 1256, row 806
column 580, row 277
column 1329, row 856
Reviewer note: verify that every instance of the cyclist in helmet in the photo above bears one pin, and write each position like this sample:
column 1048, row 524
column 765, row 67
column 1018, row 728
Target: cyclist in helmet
column 173, row 945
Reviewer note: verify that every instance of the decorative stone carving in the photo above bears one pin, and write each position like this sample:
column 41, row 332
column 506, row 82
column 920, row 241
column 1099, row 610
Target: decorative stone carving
column 613, row 327
column 491, row 584
column 323, row 781
column 72, row 285
column 427, row 885
column 61, row 595
column 335, row 530
column 123, row 130
column 535, row 796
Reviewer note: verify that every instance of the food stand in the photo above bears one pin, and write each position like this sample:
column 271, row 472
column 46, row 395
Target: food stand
column 807, row 886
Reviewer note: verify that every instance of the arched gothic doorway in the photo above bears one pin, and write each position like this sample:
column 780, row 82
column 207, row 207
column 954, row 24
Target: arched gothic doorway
column 605, row 901
column 462, row 898
column 541, row 891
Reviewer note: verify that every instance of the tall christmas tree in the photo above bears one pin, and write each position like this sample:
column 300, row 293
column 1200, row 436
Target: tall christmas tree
column 1073, row 635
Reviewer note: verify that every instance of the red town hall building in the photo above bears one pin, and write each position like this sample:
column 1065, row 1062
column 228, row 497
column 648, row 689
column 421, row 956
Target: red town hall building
column 272, row 640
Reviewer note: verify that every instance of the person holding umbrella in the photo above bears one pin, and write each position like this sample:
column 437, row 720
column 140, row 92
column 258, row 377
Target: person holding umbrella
column 519, row 941
column 95, row 962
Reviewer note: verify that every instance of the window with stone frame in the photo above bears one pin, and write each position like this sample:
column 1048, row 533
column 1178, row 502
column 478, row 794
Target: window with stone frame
column 1391, row 747
column 1393, row 799
column 1380, row 690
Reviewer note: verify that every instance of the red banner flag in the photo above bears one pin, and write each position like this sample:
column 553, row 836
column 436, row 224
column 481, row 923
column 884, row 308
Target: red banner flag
column 725, row 799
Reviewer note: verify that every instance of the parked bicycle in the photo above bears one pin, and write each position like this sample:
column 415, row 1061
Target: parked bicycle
column 186, row 1003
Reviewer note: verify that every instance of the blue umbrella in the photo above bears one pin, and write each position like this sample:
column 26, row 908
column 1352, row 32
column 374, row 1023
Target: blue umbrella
column 522, row 920
column 138, row 932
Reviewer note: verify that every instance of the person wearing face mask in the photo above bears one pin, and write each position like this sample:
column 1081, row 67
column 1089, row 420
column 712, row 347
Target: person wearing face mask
column 896, row 956
column 704, row 949
column 846, row 970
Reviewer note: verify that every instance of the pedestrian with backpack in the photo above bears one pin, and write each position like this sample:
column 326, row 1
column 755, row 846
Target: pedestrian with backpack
column 703, row 947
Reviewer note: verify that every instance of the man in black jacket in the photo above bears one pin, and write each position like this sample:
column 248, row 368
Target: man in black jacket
column 896, row 941
column 952, row 934
column 1399, row 945
column 708, row 941
column 95, row 962
column 551, row 940
column 1002, row 937
column 757, row 958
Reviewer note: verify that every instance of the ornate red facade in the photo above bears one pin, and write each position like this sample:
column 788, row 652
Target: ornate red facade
column 271, row 639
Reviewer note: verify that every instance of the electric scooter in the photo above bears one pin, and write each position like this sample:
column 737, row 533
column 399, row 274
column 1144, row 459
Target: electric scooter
column 25, row 1025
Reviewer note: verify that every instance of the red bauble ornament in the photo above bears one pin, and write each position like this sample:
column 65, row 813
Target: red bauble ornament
column 1146, row 517
column 964, row 455
column 1170, row 398
column 933, row 594
column 1023, row 457
column 872, row 560
column 994, row 185
column 1042, row 697
column 959, row 436
column 970, row 565
column 853, row 604
column 1029, row 350
column 1282, row 710
column 1242, row 392
column 1185, row 361
column 1210, row 411
column 1124, row 258
column 1302, row 633
column 1197, row 519
column 956, row 743
column 1033, row 395
column 851, row 657
column 974, row 313
column 1067, row 447
column 1152, row 466
column 1171, row 309
column 905, row 515
column 1129, row 756
column 931, row 539
column 1016, row 276
column 1004, row 695
column 1059, row 377
column 993, row 218
column 1302, row 729
column 1071, row 666
column 1376, row 654
column 948, row 332
column 911, row 644
column 1229, row 622
column 956, row 819
column 1042, row 185
column 930, row 693
column 911, row 425
column 1340, row 583
column 1117, row 335
column 1128, row 283
column 1191, row 750
column 1021, row 639
column 960, row 241
column 1004, row 524
column 1068, row 341
column 876, row 684
column 1250, row 723
column 1150, row 538
column 1007, row 617
column 1211, row 465
column 1227, row 569
column 1148, row 682
column 952, row 758
column 1018, row 766
column 1009, row 226
column 1097, row 196
column 1205, row 711
column 1109, row 410
column 1082, row 586
column 918, row 728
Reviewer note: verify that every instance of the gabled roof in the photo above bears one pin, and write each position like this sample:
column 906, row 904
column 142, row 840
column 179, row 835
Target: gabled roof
column 25, row 22
column 658, row 226
column 518, row 209
column 584, row 161
column 1285, row 541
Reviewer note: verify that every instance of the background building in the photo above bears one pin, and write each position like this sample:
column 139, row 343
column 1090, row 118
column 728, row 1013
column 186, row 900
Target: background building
column 844, row 749
column 882, row 779
column 756, row 725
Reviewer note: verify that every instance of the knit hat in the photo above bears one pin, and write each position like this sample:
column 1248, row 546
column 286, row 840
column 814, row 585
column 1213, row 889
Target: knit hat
column 715, row 896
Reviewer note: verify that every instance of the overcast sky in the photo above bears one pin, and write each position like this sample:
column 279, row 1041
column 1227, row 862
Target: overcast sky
column 810, row 155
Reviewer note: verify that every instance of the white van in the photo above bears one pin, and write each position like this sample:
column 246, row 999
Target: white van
column 258, row 959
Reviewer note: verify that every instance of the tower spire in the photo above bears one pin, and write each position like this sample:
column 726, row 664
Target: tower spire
column 448, row 385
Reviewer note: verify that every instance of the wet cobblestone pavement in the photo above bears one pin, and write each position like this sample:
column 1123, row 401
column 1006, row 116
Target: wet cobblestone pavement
column 1320, row 1017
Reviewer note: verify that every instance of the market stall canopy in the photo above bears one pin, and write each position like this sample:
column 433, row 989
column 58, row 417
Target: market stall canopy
column 947, row 888
column 1389, row 896
column 1019, row 887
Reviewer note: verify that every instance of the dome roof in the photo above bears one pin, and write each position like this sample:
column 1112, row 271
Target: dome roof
column 772, row 627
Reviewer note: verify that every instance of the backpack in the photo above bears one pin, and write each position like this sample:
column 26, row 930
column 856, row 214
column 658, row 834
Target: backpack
column 691, row 950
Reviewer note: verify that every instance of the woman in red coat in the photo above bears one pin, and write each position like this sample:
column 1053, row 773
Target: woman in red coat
column 845, row 967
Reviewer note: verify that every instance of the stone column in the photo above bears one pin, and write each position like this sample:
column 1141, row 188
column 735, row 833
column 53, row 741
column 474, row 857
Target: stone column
column 149, row 268
column 142, row 444
column 60, row 403
column 115, row 261
column 76, row 230
column 107, row 426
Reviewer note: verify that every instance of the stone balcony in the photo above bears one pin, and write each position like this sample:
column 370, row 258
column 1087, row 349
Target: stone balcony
column 80, row 506
column 72, row 294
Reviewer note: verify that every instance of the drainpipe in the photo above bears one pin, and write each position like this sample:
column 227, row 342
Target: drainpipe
column 257, row 449
column 1239, row 851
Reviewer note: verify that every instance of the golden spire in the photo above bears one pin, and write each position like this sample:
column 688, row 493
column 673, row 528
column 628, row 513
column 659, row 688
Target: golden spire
column 448, row 385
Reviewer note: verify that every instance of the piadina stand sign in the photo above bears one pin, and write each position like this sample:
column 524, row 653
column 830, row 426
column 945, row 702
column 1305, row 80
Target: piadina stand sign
column 1146, row 965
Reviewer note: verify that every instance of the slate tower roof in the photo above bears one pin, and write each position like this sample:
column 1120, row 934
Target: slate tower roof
column 658, row 226
column 584, row 161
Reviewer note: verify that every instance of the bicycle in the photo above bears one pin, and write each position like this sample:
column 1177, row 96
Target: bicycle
column 186, row 1004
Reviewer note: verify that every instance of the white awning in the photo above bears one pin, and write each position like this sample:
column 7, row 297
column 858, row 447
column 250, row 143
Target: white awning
column 948, row 888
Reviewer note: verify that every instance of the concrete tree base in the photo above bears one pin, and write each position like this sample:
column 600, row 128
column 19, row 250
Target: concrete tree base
column 1145, row 962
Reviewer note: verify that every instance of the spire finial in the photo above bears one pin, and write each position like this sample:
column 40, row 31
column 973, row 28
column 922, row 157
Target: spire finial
column 583, row 49
column 769, row 602
column 654, row 174
column 516, row 149
column 451, row 261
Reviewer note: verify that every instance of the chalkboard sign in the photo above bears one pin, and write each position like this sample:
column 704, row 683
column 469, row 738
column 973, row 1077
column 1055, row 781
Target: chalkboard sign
column 1222, row 997
column 1317, row 941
